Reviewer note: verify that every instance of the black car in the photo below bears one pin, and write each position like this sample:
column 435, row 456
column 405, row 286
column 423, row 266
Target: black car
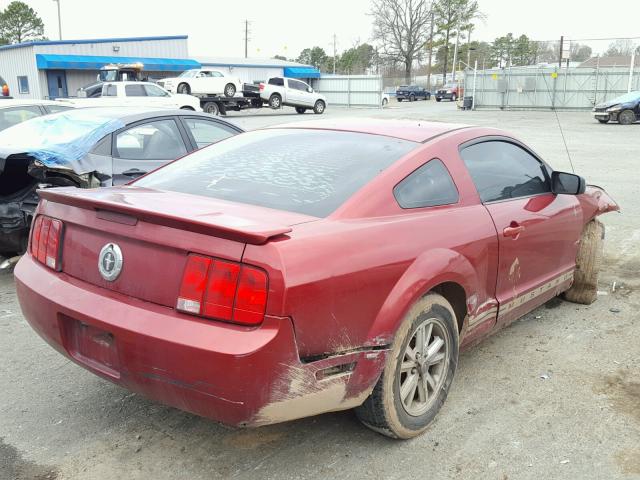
column 624, row 109
column 91, row 147
column 412, row 93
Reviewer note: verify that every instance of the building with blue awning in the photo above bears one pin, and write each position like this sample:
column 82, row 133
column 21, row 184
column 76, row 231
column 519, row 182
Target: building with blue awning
column 53, row 69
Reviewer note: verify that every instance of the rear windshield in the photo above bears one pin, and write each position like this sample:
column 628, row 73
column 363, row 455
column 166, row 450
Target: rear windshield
column 306, row 171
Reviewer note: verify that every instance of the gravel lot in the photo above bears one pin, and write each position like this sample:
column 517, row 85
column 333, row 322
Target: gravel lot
column 555, row 395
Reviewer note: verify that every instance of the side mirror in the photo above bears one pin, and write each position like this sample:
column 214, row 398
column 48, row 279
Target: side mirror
column 567, row 183
column 310, row 90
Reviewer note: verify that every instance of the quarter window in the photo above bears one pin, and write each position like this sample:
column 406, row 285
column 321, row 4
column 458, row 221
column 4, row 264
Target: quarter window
column 428, row 186
column 110, row 91
column 502, row 170
column 206, row 132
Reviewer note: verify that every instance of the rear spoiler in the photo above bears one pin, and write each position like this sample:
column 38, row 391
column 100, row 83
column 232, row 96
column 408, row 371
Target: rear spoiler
column 154, row 207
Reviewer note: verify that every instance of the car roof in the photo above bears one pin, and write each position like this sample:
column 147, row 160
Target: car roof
column 16, row 102
column 412, row 130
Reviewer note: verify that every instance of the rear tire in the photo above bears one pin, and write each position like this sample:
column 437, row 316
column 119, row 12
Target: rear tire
column 438, row 99
column 319, row 107
column 588, row 260
column 384, row 102
column 412, row 98
column 275, row 101
column 301, row 110
column 399, row 99
column 229, row 90
column 211, row 108
column 184, row 89
column 626, row 117
column 423, row 380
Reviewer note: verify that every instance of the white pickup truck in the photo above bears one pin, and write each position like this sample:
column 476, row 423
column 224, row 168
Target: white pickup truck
column 138, row 94
column 279, row 91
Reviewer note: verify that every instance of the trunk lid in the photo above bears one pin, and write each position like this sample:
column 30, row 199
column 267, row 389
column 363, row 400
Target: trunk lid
column 155, row 232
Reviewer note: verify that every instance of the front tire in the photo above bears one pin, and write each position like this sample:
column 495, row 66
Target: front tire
column 438, row 99
column 184, row 89
column 588, row 260
column 626, row 117
column 319, row 107
column 418, row 371
column 229, row 90
column 275, row 101
column 301, row 110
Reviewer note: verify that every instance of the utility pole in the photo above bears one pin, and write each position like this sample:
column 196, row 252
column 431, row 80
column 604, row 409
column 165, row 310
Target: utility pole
column 455, row 55
column 433, row 16
column 334, row 53
column 561, row 46
column 246, row 38
column 59, row 20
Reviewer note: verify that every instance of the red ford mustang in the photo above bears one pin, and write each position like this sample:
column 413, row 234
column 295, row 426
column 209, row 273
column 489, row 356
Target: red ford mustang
column 304, row 269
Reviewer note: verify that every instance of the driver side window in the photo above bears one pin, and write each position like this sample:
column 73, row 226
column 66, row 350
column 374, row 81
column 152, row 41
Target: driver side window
column 501, row 171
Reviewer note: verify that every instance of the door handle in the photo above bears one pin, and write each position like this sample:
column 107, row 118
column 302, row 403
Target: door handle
column 513, row 230
column 134, row 172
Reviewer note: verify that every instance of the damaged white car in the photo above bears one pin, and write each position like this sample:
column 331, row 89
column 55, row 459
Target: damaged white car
column 88, row 148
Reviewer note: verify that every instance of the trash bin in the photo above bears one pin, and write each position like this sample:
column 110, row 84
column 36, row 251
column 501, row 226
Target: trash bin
column 467, row 103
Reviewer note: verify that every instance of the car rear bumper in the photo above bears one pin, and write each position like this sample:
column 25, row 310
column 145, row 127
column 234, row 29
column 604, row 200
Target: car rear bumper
column 231, row 374
column 445, row 95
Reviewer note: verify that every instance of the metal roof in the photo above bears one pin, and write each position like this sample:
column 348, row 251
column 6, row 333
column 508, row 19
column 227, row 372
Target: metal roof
column 93, row 40
column 248, row 62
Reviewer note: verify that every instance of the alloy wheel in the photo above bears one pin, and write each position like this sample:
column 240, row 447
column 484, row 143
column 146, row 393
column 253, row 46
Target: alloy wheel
column 423, row 369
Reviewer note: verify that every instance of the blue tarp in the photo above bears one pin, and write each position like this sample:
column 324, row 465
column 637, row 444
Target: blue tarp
column 301, row 72
column 47, row 61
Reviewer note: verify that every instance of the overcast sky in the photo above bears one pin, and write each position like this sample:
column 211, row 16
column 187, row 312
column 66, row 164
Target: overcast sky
column 286, row 27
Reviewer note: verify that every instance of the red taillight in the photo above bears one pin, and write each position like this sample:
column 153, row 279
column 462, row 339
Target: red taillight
column 193, row 284
column 46, row 234
column 223, row 290
column 251, row 296
column 261, row 86
column 5, row 90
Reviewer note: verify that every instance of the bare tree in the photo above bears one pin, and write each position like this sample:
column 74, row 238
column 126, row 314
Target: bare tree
column 401, row 27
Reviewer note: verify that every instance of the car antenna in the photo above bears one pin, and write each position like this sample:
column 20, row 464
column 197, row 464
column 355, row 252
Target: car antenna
column 564, row 140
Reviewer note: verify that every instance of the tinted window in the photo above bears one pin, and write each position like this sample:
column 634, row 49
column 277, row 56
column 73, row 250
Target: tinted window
column 135, row 90
column 155, row 91
column 307, row 171
column 428, row 186
column 206, row 132
column 15, row 115
column 159, row 140
column 502, row 170
column 277, row 81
